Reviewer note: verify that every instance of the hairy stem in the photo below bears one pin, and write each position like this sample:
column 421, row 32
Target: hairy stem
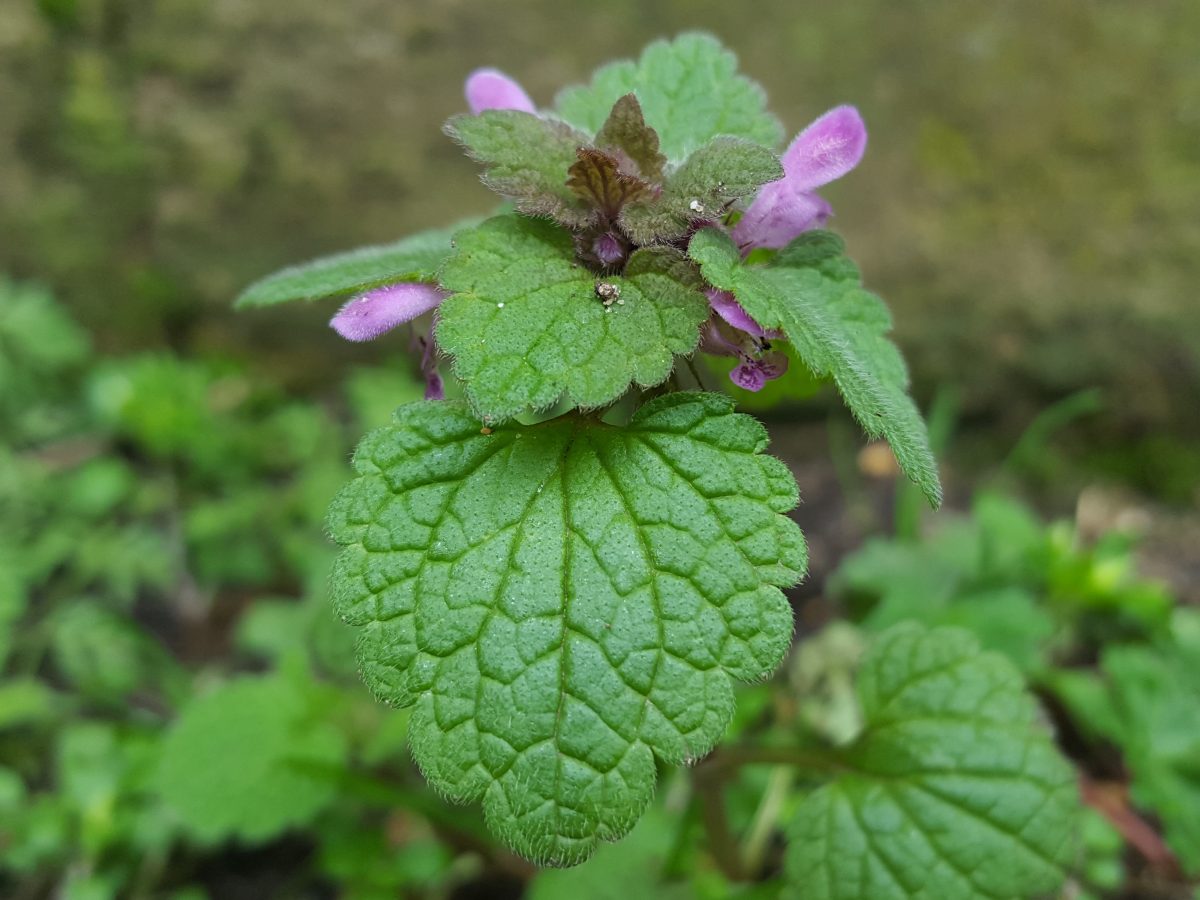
column 710, row 784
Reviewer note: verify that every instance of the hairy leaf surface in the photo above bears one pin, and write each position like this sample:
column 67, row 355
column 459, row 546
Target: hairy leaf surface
column 562, row 603
column 625, row 130
column 689, row 91
column 953, row 789
column 415, row 258
column 526, row 325
column 526, row 158
column 597, row 180
column 813, row 293
column 703, row 188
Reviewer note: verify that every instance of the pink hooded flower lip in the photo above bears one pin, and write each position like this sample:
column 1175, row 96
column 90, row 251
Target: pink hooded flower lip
column 726, row 306
column 755, row 367
column 827, row 149
column 369, row 315
column 823, row 152
column 492, row 89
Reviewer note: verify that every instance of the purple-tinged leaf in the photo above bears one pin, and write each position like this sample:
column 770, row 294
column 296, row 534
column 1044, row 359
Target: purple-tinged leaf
column 626, row 131
column 702, row 189
column 596, row 179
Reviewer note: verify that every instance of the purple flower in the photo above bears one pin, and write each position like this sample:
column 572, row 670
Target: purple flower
column 753, row 374
column 434, row 388
column 725, row 305
column 608, row 249
column 755, row 366
column 824, row 151
column 369, row 315
column 492, row 89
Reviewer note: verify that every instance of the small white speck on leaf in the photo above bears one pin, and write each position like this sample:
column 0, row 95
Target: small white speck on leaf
column 696, row 206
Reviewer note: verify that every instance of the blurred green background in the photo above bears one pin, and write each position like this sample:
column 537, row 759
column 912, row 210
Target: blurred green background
column 1029, row 206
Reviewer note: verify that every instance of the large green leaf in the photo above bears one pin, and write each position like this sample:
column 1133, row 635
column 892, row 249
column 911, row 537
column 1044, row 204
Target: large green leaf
column 563, row 602
column 952, row 791
column 813, row 293
column 415, row 258
column 526, row 326
column 689, row 90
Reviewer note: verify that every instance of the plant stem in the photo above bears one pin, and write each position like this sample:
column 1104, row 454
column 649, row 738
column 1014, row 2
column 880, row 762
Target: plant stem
column 755, row 845
column 691, row 364
column 710, row 782
column 709, row 778
column 813, row 760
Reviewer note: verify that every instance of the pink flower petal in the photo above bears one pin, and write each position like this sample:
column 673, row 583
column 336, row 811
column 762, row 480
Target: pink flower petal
column 712, row 341
column 727, row 307
column 492, row 89
column 826, row 150
column 382, row 309
column 748, row 376
column 779, row 214
column 774, row 365
column 753, row 374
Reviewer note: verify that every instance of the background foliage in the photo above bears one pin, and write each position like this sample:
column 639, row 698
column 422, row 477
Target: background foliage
column 1027, row 205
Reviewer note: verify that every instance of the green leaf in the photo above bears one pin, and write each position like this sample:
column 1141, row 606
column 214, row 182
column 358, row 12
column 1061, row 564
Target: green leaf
column 526, row 159
column 415, row 258
column 813, row 293
column 626, row 130
column 26, row 702
column 13, row 600
column 720, row 172
column 107, row 656
column 238, row 762
column 526, row 326
column 562, row 603
column 630, row 870
column 1149, row 705
column 952, row 790
column 689, row 90
column 973, row 574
